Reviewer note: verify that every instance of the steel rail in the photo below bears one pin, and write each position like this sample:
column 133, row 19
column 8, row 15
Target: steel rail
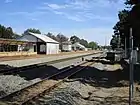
column 30, row 67
column 85, row 65
column 22, row 96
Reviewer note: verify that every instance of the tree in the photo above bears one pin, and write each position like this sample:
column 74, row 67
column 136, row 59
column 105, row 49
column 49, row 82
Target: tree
column 122, row 27
column 132, row 2
column 93, row 45
column 33, row 30
column 61, row 38
column 129, row 18
column 51, row 36
column 135, row 23
column 6, row 33
column 16, row 36
column 114, row 42
column 74, row 39
column 9, row 32
column 84, row 42
column 128, row 2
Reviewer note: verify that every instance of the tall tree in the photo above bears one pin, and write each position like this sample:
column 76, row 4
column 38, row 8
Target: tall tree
column 74, row 39
column 9, row 32
column 114, row 42
column 135, row 23
column 84, row 42
column 93, row 45
column 132, row 2
column 122, row 27
column 129, row 18
column 6, row 32
column 33, row 30
column 61, row 38
column 51, row 36
column 16, row 36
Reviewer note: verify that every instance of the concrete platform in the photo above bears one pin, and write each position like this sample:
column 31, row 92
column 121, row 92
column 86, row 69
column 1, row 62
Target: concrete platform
column 22, row 57
column 26, row 62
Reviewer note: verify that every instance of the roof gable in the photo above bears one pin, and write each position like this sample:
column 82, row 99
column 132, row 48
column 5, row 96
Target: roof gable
column 44, row 38
column 78, row 45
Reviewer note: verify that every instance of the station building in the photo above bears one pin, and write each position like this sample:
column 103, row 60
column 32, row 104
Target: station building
column 67, row 46
column 9, row 47
column 78, row 46
column 42, row 43
column 32, row 44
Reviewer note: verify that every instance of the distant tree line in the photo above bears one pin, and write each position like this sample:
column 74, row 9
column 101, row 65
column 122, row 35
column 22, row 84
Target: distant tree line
column 7, row 33
column 33, row 30
column 128, row 18
column 61, row 38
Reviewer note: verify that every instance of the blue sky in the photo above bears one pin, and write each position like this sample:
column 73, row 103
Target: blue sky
column 89, row 19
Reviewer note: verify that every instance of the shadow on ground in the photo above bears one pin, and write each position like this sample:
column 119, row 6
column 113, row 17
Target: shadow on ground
column 107, row 79
column 32, row 73
column 105, row 62
column 90, row 75
column 39, row 72
column 3, row 67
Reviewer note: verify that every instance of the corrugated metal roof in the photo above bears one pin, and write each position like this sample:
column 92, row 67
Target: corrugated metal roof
column 67, row 42
column 12, row 41
column 23, row 39
column 77, row 44
column 43, row 37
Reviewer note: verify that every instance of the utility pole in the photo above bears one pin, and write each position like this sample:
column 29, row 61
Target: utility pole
column 131, row 84
column 125, row 48
column 105, row 42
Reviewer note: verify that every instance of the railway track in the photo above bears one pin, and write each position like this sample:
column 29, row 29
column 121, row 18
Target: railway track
column 30, row 67
column 26, row 95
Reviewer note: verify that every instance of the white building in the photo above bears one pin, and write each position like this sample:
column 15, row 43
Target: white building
column 44, row 44
column 78, row 46
column 67, row 46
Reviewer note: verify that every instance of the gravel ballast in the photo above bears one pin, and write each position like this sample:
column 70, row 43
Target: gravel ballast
column 94, row 86
column 78, row 93
column 10, row 83
column 81, row 91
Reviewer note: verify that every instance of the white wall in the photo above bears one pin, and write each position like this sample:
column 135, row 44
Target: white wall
column 52, row 48
column 31, row 48
column 42, row 48
column 67, row 47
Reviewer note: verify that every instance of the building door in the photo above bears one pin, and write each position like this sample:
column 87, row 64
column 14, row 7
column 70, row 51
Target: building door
column 41, row 48
column 35, row 50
